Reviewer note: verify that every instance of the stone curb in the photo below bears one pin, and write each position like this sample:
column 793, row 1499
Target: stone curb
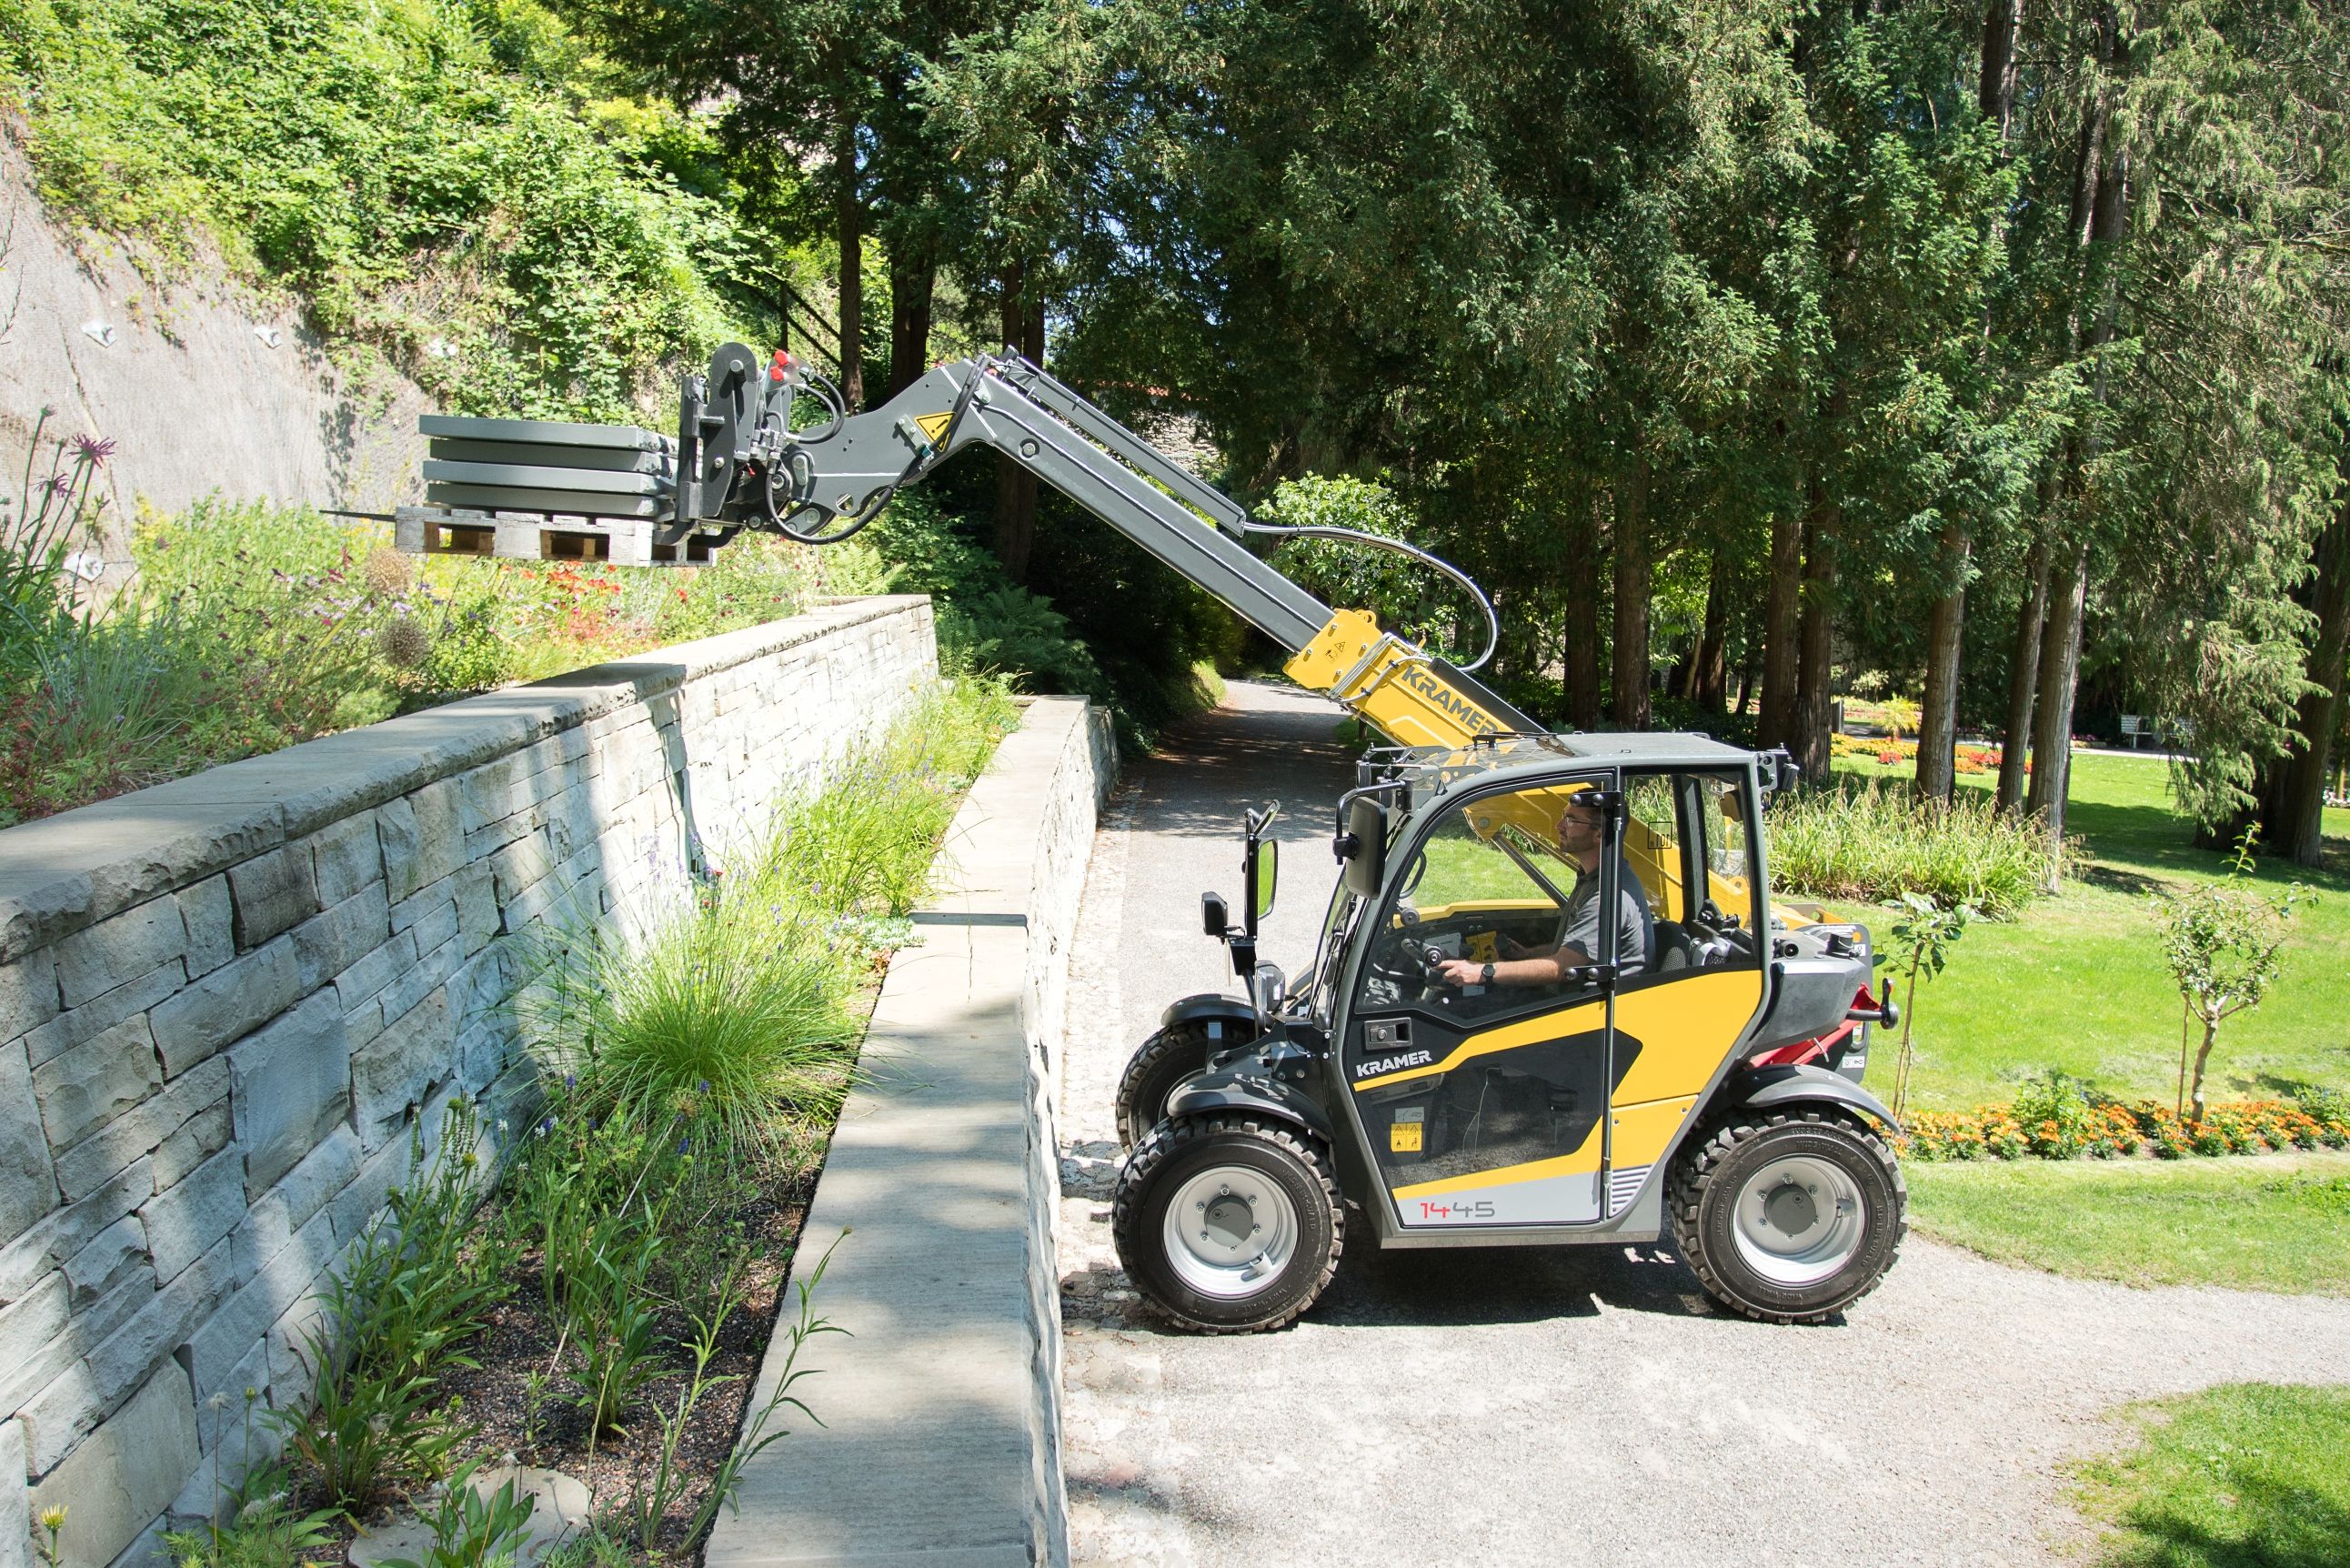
column 940, row 1442
column 65, row 872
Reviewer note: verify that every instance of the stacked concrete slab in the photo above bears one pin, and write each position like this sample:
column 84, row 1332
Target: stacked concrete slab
column 227, row 1002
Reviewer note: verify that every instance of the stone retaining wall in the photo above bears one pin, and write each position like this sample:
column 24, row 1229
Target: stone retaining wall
column 227, row 1002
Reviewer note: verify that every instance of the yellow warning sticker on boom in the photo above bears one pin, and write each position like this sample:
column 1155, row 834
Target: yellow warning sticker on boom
column 934, row 426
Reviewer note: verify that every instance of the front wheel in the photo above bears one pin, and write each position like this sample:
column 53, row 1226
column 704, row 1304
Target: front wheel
column 1152, row 1075
column 1229, row 1224
column 1789, row 1216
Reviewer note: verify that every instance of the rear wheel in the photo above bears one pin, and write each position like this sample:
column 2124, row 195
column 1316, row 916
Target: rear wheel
column 1229, row 1224
column 1158, row 1064
column 1789, row 1216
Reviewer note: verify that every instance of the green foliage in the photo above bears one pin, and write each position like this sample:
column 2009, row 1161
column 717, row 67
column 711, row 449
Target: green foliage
column 256, row 1527
column 1407, row 597
column 473, row 1530
column 55, row 508
column 1872, row 843
column 986, row 625
column 2247, row 1475
column 395, row 1318
column 251, row 627
column 457, row 170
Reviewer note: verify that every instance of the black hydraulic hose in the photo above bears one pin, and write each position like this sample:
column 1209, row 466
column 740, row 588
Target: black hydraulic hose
column 1319, row 531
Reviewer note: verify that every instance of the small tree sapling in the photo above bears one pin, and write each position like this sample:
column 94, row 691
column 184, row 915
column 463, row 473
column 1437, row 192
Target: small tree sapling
column 1922, row 940
column 2224, row 943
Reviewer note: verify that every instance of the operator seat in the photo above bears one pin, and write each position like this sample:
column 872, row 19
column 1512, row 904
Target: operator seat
column 1675, row 948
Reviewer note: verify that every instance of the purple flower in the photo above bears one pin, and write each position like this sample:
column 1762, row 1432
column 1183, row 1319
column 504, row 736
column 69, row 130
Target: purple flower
column 89, row 448
column 59, row 483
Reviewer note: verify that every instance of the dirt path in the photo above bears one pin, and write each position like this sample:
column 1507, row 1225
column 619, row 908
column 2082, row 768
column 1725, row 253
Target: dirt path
column 1568, row 1406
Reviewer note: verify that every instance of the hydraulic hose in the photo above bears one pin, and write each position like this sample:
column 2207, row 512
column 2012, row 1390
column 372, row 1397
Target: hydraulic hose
column 1381, row 541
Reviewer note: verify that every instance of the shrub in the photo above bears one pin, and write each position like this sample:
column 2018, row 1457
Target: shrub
column 1841, row 841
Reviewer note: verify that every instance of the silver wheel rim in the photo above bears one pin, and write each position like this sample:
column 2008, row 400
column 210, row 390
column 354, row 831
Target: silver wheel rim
column 1230, row 1231
column 1800, row 1219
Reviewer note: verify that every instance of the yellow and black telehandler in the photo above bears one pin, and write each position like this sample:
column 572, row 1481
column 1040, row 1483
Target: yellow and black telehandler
column 1552, row 1003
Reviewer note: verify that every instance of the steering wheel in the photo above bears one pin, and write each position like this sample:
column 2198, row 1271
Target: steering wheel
column 1419, row 965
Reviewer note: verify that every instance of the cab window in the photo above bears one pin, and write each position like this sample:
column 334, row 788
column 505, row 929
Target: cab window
column 1488, row 883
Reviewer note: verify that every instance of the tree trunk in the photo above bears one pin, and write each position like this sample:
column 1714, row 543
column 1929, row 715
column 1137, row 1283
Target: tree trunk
column 2052, row 734
column 1709, row 673
column 1995, row 89
column 849, row 209
column 1818, row 634
column 2023, row 679
column 914, row 274
column 1937, row 719
column 1016, row 483
column 1580, row 652
column 1782, row 610
column 1628, row 663
column 2293, row 809
column 2202, row 1059
column 1746, row 679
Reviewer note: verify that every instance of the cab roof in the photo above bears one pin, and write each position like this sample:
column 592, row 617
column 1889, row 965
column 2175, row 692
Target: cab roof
column 1442, row 768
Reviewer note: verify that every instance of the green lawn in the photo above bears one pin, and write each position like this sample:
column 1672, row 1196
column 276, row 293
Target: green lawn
column 2244, row 1476
column 2078, row 983
column 2273, row 1222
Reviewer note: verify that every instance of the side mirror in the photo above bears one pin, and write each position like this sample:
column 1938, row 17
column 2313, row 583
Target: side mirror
column 1264, row 876
column 1216, row 919
column 1366, row 860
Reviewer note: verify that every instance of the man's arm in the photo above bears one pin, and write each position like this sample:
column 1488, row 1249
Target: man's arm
column 1540, row 969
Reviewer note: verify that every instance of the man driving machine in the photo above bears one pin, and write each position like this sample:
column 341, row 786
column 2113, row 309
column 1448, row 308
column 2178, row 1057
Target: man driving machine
column 1582, row 830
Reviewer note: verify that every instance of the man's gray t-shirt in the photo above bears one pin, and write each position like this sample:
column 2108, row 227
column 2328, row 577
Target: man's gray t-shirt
column 1634, row 922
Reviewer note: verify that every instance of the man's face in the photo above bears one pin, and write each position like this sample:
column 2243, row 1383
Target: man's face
column 1578, row 830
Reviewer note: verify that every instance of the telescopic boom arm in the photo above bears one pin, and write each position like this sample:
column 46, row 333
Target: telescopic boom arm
column 740, row 463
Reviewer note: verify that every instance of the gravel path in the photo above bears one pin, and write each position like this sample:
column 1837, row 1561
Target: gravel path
column 1575, row 1405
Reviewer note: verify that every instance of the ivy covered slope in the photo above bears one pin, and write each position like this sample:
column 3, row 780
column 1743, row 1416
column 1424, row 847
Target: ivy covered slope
column 425, row 174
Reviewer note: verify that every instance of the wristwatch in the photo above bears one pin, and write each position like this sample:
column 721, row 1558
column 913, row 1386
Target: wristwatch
column 1485, row 977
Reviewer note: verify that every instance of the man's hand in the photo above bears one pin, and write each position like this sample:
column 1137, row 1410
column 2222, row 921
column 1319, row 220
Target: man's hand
column 1458, row 973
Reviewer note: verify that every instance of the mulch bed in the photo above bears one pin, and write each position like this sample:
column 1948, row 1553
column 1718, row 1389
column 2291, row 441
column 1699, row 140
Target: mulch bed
column 521, row 1340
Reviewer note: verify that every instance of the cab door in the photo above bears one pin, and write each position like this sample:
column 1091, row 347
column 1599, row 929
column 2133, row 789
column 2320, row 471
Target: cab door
column 1486, row 1104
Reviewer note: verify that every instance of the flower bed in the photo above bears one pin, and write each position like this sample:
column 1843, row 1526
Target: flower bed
column 2070, row 1124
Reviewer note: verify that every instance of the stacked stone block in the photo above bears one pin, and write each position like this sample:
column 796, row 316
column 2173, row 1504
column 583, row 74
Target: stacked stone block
column 230, row 1005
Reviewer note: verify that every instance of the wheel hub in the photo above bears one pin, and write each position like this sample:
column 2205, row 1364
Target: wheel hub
column 1230, row 1231
column 1799, row 1220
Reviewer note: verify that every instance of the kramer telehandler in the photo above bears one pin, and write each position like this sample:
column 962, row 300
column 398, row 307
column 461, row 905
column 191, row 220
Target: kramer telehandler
column 1552, row 1002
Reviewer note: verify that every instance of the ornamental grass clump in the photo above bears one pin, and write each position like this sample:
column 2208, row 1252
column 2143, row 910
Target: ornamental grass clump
column 728, row 1015
column 1878, row 844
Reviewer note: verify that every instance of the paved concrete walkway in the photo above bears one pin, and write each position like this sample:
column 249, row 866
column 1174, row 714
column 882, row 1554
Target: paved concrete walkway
column 1563, row 1405
column 939, row 1445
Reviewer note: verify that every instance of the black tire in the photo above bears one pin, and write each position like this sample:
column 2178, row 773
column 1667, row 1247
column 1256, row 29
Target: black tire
column 1753, row 1147
column 1158, row 1064
column 1202, row 1147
